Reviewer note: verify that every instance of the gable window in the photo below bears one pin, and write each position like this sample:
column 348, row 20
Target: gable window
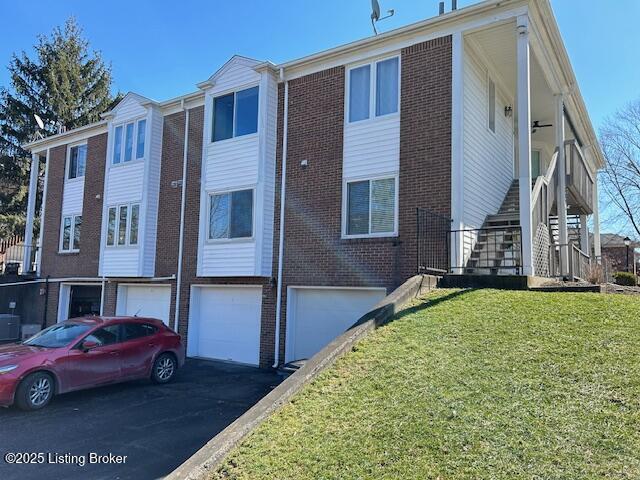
column 231, row 215
column 381, row 78
column 77, row 161
column 371, row 207
column 70, row 235
column 491, row 101
column 235, row 114
column 122, row 225
column 124, row 138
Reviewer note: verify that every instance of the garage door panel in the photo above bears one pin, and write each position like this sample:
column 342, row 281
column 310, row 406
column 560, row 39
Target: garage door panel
column 320, row 315
column 227, row 322
column 145, row 301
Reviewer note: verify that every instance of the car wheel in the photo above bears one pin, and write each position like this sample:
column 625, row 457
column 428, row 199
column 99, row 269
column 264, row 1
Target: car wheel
column 164, row 368
column 35, row 392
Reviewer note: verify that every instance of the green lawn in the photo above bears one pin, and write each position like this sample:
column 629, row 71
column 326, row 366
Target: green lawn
column 475, row 384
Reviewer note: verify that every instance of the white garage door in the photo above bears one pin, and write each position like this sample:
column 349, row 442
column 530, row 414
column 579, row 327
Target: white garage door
column 225, row 323
column 317, row 316
column 144, row 301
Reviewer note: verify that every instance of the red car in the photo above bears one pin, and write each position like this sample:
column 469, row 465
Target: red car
column 86, row 352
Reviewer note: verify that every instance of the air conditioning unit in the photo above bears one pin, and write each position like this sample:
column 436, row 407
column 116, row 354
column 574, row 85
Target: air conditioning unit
column 9, row 327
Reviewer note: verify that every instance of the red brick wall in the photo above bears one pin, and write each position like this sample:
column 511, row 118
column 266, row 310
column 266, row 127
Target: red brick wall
column 315, row 253
column 85, row 262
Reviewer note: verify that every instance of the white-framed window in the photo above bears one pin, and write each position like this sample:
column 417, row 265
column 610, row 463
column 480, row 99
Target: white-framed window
column 129, row 141
column 491, row 104
column 374, row 89
column 122, row 225
column 371, row 207
column 70, row 233
column 235, row 114
column 76, row 161
column 231, row 215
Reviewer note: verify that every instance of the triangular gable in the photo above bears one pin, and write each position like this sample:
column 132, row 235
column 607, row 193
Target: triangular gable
column 126, row 100
column 233, row 62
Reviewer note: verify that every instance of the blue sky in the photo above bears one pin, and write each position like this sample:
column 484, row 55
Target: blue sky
column 162, row 48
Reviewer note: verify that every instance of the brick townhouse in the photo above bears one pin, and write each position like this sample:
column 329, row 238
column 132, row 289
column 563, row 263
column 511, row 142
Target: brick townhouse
column 264, row 213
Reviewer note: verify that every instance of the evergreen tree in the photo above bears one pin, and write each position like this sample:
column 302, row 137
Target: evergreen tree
column 67, row 86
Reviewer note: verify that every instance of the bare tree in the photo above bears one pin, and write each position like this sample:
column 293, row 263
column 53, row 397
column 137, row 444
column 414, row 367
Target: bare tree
column 620, row 139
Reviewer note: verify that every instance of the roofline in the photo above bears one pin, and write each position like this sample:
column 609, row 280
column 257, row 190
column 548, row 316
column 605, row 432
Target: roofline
column 85, row 131
column 439, row 20
column 553, row 39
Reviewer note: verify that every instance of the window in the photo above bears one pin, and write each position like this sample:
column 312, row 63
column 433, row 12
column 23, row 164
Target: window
column 71, row 226
column 111, row 227
column 122, row 225
column 142, row 126
column 77, row 161
column 123, row 151
column 104, row 336
column 235, row 114
column 536, row 166
column 133, row 225
column 384, row 82
column 231, row 215
column 371, row 207
column 492, row 105
column 131, row 331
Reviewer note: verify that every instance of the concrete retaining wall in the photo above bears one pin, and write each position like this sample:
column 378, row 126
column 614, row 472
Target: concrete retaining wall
column 213, row 453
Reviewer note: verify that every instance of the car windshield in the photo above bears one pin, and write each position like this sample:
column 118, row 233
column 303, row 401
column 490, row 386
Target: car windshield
column 57, row 336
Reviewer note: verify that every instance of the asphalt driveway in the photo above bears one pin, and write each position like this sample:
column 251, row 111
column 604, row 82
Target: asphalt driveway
column 156, row 427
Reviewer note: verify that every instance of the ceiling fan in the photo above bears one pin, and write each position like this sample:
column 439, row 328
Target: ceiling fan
column 536, row 125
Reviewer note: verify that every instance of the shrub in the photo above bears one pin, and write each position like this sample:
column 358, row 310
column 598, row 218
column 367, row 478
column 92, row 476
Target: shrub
column 595, row 274
column 625, row 278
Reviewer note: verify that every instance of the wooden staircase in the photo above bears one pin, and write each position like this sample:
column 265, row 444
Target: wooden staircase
column 497, row 247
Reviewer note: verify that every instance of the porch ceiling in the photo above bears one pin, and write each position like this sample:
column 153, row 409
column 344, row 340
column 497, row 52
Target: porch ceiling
column 498, row 45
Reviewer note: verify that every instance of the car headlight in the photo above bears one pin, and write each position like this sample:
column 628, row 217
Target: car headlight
column 7, row 368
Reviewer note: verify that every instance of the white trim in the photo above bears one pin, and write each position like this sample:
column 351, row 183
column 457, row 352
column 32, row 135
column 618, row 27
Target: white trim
column 235, row 90
column 490, row 82
column 183, row 200
column 457, row 145
column 71, row 146
column 283, row 191
column 373, row 74
column 43, row 210
column 345, row 199
column 208, row 239
column 71, row 249
column 134, row 147
column 127, row 243
column 64, row 297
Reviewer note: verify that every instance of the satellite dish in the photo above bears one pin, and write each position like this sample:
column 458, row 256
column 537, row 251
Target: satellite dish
column 39, row 121
column 375, row 15
column 375, row 10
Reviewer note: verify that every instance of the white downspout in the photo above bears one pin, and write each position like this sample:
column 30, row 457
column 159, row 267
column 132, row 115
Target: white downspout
column 283, row 187
column 176, row 321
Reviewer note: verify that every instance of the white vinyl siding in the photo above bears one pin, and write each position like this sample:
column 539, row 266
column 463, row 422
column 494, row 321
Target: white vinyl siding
column 488, row 157
column 133, row 182
column 244, row 162
column 372, row 148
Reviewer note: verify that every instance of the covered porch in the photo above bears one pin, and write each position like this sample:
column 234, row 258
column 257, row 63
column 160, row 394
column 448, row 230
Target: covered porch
column 525, row 164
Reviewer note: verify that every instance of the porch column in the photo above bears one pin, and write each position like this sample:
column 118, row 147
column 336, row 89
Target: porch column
column 31, row 210
column 597, row 249
column 561, row 187
column 524, row 142
column 457, row 154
